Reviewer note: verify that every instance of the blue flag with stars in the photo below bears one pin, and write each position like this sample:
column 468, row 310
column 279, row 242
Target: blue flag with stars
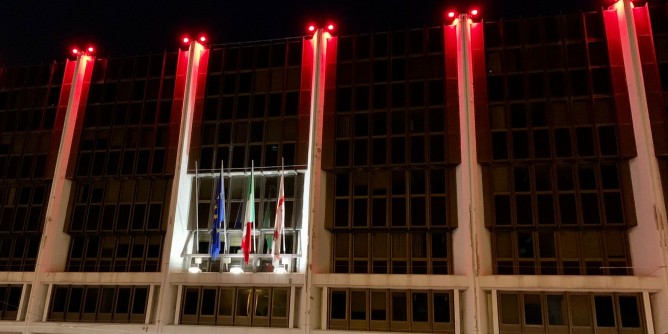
column 218, row 219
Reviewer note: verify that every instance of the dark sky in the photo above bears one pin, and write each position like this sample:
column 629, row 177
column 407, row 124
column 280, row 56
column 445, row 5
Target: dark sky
column 39, row 31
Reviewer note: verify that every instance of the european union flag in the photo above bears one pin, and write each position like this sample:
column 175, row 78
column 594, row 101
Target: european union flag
column 218, row 219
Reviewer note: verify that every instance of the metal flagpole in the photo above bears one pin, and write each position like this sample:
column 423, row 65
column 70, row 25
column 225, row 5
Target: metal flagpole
column 254, row 234
column 196, row 209
column 283, row 222
column 222, row 190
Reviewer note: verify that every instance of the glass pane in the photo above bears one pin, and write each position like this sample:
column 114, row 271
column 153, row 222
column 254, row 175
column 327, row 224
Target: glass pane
column 358, row 305
column 262, row 297
column 605, row 313
column 399, row 306
column 555, row 309
column 533, row 313
column 378, row 305
column 580, row 311
column 244, row 302
column 420, row 305
column 442, row 307
column 280, row 303
column 510, row 313
column 225, row 302
column 628, row 309
column 338, row 305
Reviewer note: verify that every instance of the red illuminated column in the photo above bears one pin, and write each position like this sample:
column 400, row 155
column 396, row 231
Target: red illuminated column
column 648, row 239
column 315, row 254
column 188, row 95
column 465, row 65
column 54, row 248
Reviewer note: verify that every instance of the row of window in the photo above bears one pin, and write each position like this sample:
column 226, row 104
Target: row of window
column 19, row 252
column 126, row 68
column 552, row 29
column 535, row 86
column 382, row 124
column 22, row 207
column 393, row 151
column 123, row 304
column 241, row 306
column 587, row 252
column 549, row 57
column 118, row 206
column 29, row 76
column 397, row 96
column 395, row 44
column 243, row 156
column 396, row 199
column 556, row 113
column 384, row 71
column 391, row 310
column 124, row 92
column 111, row 253
column 561, row 195
column 280, row 53
column 241, row 107
column 553, row 312
column 392, row 253
column 260, row 83
column 119, row 115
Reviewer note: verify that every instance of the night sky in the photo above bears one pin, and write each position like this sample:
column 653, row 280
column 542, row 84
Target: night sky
column 40, row 31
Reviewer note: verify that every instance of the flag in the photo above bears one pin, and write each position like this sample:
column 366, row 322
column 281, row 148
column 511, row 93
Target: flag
column 249, row 220
column 278, row 224
column 218, row 219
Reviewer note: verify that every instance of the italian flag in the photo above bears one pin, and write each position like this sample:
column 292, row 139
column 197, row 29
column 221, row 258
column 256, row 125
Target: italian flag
column 249, row 220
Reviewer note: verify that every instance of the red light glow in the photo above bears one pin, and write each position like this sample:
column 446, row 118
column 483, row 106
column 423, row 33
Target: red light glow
column 311, row 28
column 474, row 12
column 451, row 14
column 186, row 40
column 202, row 39
column 91, row 49
column 330, row 27
column 75, row 51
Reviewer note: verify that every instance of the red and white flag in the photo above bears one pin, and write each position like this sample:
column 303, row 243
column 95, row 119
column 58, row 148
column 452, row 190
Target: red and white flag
column 249, row 220
column 278, row 225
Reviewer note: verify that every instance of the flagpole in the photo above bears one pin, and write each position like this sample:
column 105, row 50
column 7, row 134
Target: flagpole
column 283, row 222
column 196, row 209
column 222, row 187
column 253, row 204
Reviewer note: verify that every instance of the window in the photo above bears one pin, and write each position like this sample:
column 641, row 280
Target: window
column 100, row 211
column 242, row 306
column 391, row 310
column 125, row 304
column 561, row 252
column 392, row 253
column 267, row 91
column 561, row 312
column 9, row 301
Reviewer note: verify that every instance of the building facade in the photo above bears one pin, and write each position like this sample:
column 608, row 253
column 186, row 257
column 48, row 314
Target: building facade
column 483, row 176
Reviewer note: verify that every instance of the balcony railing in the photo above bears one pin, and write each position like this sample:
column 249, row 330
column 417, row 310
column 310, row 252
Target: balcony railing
column 231, row 258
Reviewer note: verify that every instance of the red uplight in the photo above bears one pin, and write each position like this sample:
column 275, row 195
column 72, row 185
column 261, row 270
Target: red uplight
column 330, row 27
column 474, row 12
column 451, row 14
column 186, row 40
column 311, row 28
column 75, row 51
column 202, row 39
column 91, row 49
